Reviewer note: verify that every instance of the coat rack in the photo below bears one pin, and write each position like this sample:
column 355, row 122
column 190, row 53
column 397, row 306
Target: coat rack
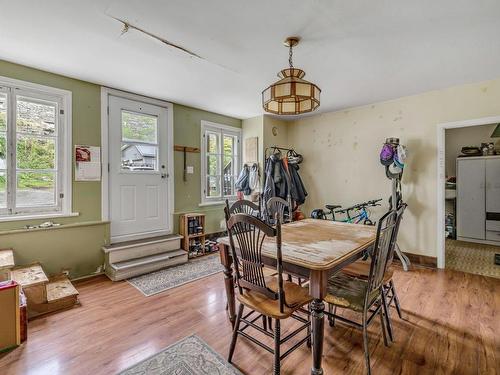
column 184, row 150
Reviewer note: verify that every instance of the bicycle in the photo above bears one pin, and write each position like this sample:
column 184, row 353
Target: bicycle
column 361, row 215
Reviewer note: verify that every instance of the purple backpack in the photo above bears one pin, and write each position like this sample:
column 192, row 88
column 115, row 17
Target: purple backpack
column 387, row 154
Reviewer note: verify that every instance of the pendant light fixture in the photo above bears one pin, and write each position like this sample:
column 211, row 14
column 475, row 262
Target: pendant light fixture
column 291, row 95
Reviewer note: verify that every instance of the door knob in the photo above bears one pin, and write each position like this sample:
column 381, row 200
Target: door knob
column 164, row 175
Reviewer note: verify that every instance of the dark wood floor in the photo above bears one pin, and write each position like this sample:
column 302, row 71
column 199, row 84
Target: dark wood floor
column 451, row 326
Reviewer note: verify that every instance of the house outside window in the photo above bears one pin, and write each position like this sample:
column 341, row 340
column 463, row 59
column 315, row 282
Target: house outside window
column 35, row 150
column 221, row 161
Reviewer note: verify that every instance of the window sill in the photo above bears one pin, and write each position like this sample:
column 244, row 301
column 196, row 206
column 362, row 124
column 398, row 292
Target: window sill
column 37, row 216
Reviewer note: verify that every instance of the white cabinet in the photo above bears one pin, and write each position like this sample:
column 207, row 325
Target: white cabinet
column 478, row 199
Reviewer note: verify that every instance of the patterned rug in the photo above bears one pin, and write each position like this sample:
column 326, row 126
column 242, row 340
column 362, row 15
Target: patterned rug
column 189, row 356
column 472, row 258
column 168, row 278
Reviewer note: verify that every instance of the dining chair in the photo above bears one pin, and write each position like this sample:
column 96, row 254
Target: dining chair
column 249, row 208
column 264, row 296
column 277, row 206
column 361, row 269
column 365, row 296
column 244, row 206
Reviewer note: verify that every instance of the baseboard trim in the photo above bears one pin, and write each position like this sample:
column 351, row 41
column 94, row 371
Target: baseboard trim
column 421, row 260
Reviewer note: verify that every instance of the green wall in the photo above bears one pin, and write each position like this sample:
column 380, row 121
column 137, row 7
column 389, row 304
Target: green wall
column 77, row 244
column 187, row 132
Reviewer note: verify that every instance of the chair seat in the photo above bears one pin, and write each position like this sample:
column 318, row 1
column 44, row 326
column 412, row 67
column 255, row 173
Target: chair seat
column 295, row 295
column 348, row 292
column 361, row 269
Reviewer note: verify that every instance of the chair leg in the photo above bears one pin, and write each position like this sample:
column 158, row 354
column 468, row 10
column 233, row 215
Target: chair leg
column 365, row 342
column 290, row 278
column 235, row 333
column 331, row 318
column 309, row 326
column 264, row 322
column 270, row 323
column 382, row 324
column 396, row 299
column 387, row 313
column 277, row 340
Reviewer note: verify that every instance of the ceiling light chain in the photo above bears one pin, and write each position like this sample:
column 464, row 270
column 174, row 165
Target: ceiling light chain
column 290, row 55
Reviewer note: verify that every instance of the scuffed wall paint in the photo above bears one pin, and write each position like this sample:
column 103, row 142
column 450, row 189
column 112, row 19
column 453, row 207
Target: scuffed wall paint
column 341, row 153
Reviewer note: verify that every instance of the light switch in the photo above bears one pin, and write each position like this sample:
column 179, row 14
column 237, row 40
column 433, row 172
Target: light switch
column 190, row 169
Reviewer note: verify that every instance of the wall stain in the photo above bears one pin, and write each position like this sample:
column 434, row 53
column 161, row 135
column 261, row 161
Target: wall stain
column 355, row 145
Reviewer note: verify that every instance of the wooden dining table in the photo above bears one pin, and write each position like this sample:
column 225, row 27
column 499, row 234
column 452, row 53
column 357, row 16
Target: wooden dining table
column 312, row 249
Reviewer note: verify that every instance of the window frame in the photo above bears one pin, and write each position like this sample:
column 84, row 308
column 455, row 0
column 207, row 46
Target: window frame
column 63, row 149
column 221, row 130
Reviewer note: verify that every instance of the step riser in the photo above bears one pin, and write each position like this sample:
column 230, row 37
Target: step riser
column 117, row 275
column 142, row 250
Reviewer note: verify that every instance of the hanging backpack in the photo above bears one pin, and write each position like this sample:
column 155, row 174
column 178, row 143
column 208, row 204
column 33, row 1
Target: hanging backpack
column 387, row 154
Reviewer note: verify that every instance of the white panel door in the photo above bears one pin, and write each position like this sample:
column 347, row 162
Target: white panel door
column 138, row 187
column 471, row 198
column 493, row 185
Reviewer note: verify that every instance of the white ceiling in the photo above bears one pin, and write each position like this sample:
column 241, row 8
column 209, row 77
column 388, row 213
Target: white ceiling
column 358, row 52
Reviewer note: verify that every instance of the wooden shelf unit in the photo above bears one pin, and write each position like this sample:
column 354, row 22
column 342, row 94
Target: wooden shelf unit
column 184, row 229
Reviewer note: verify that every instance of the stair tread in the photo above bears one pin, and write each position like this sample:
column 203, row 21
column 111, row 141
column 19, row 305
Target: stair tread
column 28, row 276
column 144, row 241
column 147, row 259
column 59, row 288
column 6, row 259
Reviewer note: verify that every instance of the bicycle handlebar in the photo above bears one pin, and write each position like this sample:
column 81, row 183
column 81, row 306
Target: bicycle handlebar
column 373, row 202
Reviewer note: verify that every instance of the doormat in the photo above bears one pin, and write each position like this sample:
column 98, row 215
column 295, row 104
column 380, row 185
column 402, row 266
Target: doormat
column 168, row 278
column 189, row 356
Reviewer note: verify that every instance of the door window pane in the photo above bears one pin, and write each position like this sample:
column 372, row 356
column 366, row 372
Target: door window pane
column 3, row 189
column 139, row 127
column 139, row 157
column 36, row 153
column 36, row 117
column 213, row 186
column 3, row 112
column 35, row 189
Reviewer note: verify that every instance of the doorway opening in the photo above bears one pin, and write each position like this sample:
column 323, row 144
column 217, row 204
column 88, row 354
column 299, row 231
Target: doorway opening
column 469, row 196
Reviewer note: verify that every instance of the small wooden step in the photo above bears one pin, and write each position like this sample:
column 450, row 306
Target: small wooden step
column 139, row 266
column 60, row 288
column 29, row 276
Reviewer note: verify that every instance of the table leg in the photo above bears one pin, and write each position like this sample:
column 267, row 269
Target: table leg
column 226, row 261
column 318, row 323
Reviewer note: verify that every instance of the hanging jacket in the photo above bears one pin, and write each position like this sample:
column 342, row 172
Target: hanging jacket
column 254, row 177
column 297, row 188
column 242, row 181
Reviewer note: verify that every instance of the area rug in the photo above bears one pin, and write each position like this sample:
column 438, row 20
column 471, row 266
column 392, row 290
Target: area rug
column 168, row 278
column 189, row 356
column 472, row 258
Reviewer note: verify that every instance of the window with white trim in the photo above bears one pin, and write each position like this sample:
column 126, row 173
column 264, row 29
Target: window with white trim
column 220, row 153
column 33, row 173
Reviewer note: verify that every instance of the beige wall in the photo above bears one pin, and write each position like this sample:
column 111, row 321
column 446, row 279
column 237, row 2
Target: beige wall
column 281, row 137
column 468, row 136
column 341, row 152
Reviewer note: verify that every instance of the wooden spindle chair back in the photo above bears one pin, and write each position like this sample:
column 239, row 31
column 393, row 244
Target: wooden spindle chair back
column 250, row 233
column 399, row 217
column 385, row 234
column 244, row 206
column 276, row 207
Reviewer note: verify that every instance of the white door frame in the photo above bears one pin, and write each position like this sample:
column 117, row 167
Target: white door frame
column 441, row 175
column 105, row 93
